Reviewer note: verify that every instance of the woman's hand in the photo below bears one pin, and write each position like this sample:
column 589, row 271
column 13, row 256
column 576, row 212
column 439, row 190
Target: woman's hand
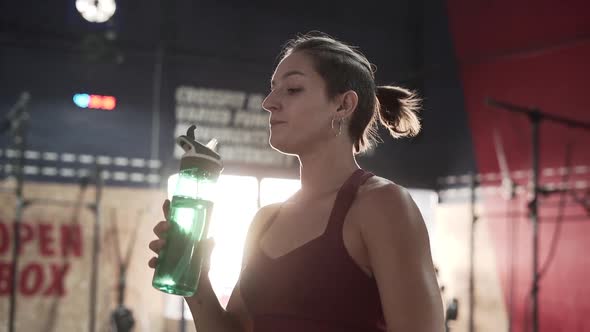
column 204, row 247
column 160, row 230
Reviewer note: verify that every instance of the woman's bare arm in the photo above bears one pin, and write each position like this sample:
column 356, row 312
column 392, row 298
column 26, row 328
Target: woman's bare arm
column 401, row 262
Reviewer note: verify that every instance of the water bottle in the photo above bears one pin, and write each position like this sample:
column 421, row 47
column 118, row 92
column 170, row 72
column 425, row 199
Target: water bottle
column 179, row 263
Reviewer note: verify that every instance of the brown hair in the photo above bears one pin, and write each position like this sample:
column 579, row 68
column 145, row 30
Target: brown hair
column 345, row 68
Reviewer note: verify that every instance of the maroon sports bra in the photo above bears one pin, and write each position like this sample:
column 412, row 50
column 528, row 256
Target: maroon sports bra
column 316, row 287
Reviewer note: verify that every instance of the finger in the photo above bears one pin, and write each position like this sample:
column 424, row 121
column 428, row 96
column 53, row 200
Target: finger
column 205, row 246
column 205, row 264
column 152, row 262
column 209, row 245
column 157, row 245
column 166, row 208
column 161, row 228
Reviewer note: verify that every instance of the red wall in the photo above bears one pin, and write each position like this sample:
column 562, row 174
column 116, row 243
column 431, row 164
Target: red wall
column 531, row 53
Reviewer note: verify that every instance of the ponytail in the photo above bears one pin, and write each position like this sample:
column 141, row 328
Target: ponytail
column 397, row 110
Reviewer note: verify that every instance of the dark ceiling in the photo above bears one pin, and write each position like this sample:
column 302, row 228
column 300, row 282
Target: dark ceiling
column 407, row 40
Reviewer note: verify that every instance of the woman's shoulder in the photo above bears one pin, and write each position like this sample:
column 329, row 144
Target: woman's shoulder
column 268, row 209
column 263, row 216
column 376, row 185
column 384, row 206
column 381, row 194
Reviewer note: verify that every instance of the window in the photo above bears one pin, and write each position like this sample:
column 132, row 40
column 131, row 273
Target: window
column 234, row 207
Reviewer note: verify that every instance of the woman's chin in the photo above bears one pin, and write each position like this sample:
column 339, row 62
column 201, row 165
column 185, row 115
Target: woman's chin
column 282, row 147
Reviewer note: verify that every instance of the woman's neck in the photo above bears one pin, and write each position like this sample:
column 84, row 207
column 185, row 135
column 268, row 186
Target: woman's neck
column 324, row 172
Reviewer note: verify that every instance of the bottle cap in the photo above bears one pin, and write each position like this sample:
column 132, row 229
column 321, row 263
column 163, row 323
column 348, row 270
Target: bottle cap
column 197, row 155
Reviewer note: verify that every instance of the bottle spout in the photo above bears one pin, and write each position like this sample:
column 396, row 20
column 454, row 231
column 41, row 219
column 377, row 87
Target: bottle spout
column 212, row 144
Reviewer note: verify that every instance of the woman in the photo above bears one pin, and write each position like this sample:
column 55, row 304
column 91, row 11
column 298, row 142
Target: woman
column 349, row 251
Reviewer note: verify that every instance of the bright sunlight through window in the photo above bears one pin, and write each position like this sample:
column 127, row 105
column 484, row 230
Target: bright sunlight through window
column 274, row 190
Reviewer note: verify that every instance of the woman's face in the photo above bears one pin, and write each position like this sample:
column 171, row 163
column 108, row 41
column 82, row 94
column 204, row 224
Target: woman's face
column 300, row 110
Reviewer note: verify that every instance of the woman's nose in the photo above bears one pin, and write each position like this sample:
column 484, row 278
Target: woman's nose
column 269, row 103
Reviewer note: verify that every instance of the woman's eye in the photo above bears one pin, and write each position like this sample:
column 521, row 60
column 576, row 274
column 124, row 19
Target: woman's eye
column 293, row 90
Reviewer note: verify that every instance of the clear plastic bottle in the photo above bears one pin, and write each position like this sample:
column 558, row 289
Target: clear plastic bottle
column 179, row 263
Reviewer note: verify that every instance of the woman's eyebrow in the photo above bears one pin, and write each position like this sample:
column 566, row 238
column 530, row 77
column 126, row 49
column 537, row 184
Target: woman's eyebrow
column 287, row 74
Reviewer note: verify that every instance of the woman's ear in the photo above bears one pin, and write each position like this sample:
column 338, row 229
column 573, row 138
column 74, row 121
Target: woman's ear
column 348, row 103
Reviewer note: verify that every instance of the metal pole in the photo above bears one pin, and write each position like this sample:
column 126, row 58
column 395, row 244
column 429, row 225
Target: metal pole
column 20, row 133
column 534, row 216
column 472, row 255
column 156, row 101
column 14, row 270
column 182, row 327
column 20, row 205
column 95, row 253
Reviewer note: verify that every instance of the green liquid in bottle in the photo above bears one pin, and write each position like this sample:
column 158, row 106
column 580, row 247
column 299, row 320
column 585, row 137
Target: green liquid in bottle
column 179, row 264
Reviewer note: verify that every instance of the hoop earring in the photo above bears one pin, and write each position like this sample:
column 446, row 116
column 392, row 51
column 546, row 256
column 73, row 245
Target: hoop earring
column 339, row 126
